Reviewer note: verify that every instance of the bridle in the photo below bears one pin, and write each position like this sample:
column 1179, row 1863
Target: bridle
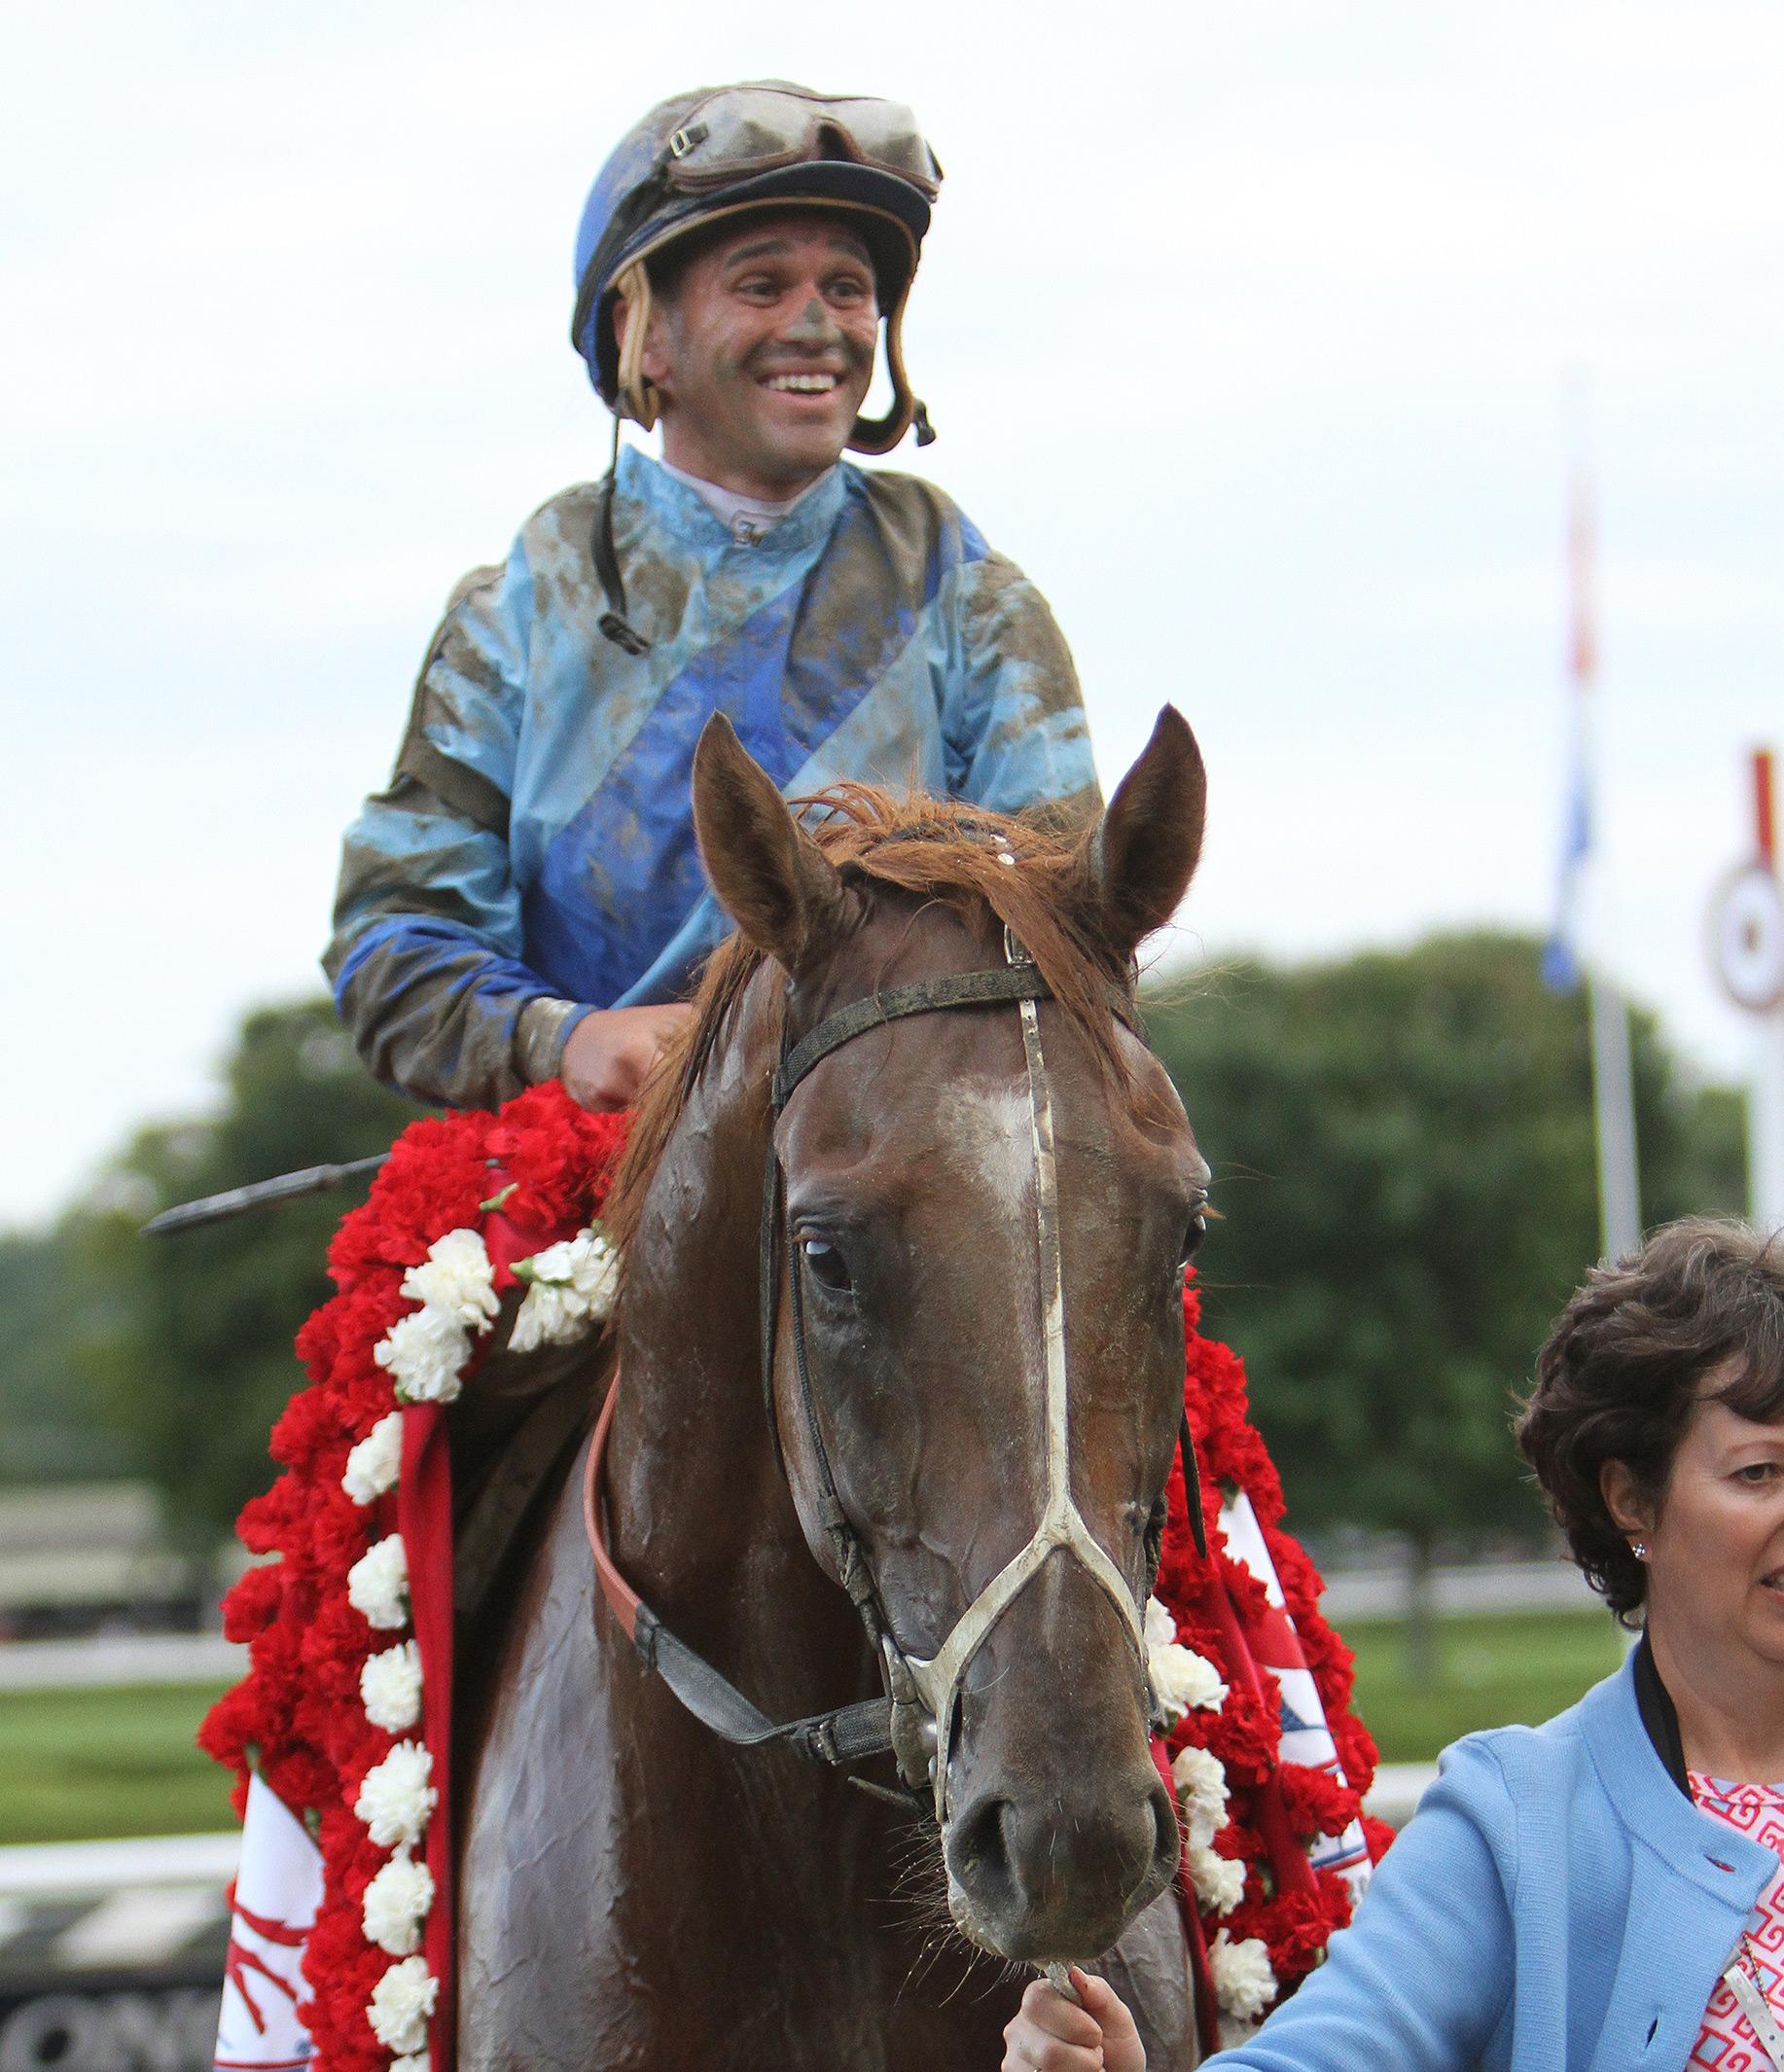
column 913, row 1721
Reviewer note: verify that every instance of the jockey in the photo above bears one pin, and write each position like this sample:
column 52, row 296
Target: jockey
column 524, row 901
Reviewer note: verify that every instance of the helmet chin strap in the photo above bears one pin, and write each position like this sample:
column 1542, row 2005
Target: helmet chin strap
column 879, row 434
column 638, row 397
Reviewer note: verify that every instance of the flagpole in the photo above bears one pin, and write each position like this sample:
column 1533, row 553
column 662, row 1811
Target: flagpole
column 1620, row 1218
column 1619, row 1215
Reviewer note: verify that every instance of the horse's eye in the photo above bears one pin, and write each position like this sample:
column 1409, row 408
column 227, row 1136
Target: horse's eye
column 828, row 1266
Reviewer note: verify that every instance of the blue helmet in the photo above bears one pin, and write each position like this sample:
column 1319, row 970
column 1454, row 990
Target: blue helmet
column 719, row 151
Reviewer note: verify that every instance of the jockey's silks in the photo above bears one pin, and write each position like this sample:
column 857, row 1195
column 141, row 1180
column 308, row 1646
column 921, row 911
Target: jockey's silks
column 533, row 856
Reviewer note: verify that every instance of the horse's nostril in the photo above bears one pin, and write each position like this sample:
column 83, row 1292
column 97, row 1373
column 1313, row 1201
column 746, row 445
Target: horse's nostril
column 979, row 1851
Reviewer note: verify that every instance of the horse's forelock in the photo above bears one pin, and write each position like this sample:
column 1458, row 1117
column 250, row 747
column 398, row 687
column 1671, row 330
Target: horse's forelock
column 940, row 849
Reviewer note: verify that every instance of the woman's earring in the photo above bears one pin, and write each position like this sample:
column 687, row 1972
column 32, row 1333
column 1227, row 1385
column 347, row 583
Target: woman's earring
column 1639, row 1549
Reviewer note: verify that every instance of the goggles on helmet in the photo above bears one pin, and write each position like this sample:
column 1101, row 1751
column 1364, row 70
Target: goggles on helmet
column 737, row 131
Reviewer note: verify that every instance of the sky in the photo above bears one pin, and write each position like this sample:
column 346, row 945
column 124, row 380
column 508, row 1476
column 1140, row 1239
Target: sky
column 1264, row 338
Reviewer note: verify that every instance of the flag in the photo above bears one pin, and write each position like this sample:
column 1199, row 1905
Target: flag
column 1563, row 955
column 272, row 1907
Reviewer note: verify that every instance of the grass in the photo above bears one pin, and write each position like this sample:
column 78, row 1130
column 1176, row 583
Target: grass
column 90, row 1764
column 85, row 1765
column 1519, row 1667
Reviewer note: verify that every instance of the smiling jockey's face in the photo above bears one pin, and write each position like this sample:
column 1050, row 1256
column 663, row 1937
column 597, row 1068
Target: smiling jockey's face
column 763, row 351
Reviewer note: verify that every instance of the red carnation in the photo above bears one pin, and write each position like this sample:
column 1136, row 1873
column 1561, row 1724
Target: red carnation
column 1356, row 1749
column 1315, row 1801
column 1376, row 1835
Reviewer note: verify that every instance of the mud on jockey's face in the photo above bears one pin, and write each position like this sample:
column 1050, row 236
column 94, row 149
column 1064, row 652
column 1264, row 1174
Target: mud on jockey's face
column 762, row 349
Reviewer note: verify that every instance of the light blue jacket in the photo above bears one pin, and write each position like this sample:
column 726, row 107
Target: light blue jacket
column 1557, row 1905
column 533, row 857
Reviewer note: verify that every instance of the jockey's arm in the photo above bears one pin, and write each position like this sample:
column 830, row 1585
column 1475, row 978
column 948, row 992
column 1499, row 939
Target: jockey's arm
column 426, row 955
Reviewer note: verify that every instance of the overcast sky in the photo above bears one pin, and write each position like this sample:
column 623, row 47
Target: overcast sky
column 1246, row 331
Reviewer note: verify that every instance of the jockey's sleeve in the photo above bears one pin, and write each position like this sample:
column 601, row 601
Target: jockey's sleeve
column 1013, row 720
column 426, row 955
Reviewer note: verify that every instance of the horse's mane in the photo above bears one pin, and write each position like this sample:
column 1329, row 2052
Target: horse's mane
column 943, row 850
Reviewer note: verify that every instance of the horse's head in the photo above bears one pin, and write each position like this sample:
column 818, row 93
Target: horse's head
column 986, row 1215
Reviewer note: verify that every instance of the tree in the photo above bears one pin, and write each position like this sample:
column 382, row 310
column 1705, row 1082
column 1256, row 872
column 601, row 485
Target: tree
column 190, row 1335
column 1403, row 1160
column 52, row 1420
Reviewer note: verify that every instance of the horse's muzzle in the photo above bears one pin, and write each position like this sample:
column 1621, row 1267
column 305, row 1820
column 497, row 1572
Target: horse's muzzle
column 1058, row 1874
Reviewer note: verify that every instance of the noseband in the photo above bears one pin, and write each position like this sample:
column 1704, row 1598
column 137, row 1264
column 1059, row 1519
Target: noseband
column 914, row 1721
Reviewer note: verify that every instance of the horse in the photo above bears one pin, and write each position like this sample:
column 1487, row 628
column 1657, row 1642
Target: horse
column 977, row 1212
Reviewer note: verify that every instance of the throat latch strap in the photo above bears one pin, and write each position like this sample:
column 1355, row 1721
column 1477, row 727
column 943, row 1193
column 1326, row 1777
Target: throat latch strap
column 851, row 1733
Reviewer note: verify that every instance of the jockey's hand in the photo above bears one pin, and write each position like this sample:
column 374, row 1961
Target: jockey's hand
column 1049, row 2034
column 609, row 1053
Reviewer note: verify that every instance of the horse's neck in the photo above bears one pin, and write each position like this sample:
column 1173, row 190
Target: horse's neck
column 703, row 1522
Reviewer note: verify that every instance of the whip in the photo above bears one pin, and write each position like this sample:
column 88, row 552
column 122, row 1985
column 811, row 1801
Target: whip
column 258, row 1194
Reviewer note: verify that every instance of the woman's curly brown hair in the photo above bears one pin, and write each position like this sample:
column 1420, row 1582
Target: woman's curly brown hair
column 1619, row 1377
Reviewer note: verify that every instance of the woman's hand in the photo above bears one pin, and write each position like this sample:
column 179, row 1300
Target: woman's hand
column 1049, row 2034
column 610, row 1053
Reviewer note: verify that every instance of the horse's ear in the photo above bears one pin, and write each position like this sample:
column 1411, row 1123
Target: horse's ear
column 1144, row 853
column 770, row 877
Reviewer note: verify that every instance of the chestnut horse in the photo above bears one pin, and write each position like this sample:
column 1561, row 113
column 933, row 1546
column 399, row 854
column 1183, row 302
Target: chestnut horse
column 981, row 1366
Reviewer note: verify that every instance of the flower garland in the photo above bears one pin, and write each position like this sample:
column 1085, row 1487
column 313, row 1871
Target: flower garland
column 341, row 1713
column 1276, row 1850
column 335, row 1715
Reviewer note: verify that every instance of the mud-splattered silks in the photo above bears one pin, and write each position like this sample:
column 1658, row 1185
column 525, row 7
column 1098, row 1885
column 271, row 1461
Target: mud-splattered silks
column 533, row 856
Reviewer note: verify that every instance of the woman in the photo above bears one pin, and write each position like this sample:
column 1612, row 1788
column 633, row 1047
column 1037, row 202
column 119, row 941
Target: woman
column 1605, row 1890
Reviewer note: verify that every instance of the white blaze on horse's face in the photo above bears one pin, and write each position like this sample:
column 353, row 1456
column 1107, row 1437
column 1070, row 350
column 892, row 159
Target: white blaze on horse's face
column 1061, row 1524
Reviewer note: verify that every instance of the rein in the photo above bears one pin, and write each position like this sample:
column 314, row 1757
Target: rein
column 913, row 1721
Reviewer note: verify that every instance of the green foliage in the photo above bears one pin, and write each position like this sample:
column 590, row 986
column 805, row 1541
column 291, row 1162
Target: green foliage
column 1404, row 1159
column 51, row 1419
column 188, row 1336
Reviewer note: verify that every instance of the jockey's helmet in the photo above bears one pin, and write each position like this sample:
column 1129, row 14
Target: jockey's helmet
column 722, row 149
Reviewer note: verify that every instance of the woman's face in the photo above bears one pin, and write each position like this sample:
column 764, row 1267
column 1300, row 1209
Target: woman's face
column 1716, row 1548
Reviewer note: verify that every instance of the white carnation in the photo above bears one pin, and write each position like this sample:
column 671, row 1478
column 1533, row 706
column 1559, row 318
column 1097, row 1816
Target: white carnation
column 425, row 1353
column 572, row 1286
column 373, row 1464
column 1244, row 1983
column 1219, row 1882
column 396, row 1904
column 456, row 1280
column 396, row 1798
column 1160, row 1626
column 1185, row 1680
column 377, row 1582
column 401, row 2004
column 390, row 1687
column 1202, row 1791
column 418, row 2063
column 544, row 1318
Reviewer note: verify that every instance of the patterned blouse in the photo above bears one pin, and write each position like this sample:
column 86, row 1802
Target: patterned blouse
column 1728, row 2042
